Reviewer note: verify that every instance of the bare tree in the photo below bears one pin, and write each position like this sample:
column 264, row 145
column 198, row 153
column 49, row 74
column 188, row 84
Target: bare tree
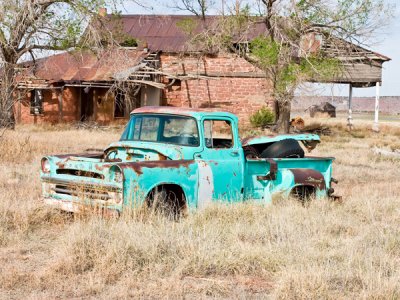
column 196, row 7
column 29, row 26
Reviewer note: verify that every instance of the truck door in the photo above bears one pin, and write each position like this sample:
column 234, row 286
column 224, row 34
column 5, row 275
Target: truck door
column 223, row 157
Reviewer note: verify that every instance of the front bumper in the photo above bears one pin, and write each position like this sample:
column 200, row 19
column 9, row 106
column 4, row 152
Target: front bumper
column 74, row 196
column 63, row 205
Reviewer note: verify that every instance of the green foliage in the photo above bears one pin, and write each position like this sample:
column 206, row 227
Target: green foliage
column 265, row 50
column 263, row 117
column 187, row 26
column 276, row 59
column 129, row 42
column 346, row 17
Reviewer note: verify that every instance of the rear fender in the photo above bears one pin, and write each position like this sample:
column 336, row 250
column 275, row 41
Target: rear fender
column 310, row 178
column 288, row 179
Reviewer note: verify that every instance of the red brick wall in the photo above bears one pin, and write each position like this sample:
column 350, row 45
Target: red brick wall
column 71, row 104
column 103, row 106
column 51, row 108
column 242, row 96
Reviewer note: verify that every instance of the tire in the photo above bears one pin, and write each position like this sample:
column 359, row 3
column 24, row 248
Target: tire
column 283, row 149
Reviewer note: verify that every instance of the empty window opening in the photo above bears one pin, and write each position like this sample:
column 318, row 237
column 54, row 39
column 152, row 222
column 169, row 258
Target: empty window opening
column 120, row 110
column 36, row 102
column 218, row 134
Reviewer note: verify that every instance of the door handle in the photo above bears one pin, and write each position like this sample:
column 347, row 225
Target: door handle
column 234, row 153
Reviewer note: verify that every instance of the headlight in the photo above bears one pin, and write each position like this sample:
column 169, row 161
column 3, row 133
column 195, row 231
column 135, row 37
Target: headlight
column 116, row 174
column 45, row 165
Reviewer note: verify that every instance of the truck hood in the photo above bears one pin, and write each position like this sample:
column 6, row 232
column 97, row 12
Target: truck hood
column 90, row 164
column 139, row 151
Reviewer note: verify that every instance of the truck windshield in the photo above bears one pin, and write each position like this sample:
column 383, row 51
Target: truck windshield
column 163, row 129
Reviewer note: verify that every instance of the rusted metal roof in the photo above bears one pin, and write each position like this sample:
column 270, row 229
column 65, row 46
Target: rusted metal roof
column 165, row 33
column 84, row 66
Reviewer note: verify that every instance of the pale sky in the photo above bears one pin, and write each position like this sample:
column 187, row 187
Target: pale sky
column 388, row 45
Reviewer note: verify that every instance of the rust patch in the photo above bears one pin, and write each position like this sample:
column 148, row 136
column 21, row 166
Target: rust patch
column 161, row 156
column 85, row 155
column 162, row 164
column 309, row 177
column 101, row 167
column 61, row 164
column 112, row 160
column 273, row 170
column 167, row 109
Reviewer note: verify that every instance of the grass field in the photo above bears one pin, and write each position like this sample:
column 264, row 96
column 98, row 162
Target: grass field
column 361, row 118
column 280, row 251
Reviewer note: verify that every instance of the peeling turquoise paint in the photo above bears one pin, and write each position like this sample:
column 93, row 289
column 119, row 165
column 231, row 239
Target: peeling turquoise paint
column 128, row 170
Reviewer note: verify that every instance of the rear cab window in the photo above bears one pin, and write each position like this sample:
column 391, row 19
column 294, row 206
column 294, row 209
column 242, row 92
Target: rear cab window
column 218, row 134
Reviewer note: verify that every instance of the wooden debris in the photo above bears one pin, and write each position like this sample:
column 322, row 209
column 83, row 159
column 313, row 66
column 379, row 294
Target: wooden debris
column 91, row 126
column 387, row 153
column 297, row 123
column 315, row 128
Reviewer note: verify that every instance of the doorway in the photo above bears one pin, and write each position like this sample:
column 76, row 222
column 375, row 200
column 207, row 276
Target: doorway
column 87, row 105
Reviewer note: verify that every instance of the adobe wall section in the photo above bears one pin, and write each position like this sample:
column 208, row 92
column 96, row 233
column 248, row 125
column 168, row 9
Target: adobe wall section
column 51, row 107
column 236, row 85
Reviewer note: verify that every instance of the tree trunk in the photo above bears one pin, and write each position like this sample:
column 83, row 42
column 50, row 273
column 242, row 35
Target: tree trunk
column 283, row 115
column 7, row 118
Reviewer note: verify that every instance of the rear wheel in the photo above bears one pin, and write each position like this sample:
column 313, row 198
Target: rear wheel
column 304, row 194
column 283, row 149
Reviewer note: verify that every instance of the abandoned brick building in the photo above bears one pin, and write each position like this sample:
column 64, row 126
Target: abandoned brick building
column 164, row 68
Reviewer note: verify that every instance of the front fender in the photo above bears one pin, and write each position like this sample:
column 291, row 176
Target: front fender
column 141, row 177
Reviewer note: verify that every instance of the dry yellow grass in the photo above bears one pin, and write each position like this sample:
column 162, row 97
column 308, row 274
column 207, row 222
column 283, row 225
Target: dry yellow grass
column 226, row 251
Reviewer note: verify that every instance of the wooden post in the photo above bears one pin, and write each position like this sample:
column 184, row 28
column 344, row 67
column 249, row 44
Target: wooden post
column 375, row 127
column 19, row 117
column 237, row 7
column 60, row 103
column 350, row 117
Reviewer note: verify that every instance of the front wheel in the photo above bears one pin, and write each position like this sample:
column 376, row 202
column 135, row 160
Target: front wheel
column 168, row 202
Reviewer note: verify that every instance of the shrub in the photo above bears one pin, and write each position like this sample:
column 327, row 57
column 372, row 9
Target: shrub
column 263, row 117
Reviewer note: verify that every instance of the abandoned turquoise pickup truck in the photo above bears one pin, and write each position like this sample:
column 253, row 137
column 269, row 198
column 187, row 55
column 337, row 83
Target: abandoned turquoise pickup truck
column 182, row 159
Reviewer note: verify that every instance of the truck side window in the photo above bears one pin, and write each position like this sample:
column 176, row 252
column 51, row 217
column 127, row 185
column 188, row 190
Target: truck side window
column 218, row 134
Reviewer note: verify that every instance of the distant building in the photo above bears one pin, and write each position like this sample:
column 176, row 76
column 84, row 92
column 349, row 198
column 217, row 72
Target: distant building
column 163, row 69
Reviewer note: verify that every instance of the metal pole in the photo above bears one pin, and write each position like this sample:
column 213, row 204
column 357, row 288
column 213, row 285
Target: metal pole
column 376, row 121
column 350, row 118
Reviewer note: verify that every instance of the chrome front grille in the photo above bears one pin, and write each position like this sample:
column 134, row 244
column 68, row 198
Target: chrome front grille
column 63, row 190
column 81, row 192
